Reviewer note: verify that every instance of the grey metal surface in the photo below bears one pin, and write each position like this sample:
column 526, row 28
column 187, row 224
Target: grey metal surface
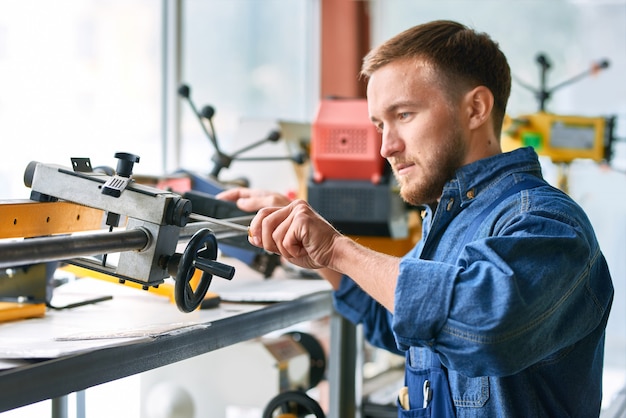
column 57, row 377
column 342, row 373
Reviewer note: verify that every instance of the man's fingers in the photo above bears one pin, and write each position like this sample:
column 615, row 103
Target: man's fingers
column 285, row 237
column 261, row 226
column 229, row 194
column 284, row 230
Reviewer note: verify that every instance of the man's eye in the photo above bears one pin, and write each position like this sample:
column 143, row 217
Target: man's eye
column 403, row 115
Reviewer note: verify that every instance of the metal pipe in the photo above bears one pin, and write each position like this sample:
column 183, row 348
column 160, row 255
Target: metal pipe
column 55, row 248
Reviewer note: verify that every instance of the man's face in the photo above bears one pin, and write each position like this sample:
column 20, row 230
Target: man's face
column 421, row 135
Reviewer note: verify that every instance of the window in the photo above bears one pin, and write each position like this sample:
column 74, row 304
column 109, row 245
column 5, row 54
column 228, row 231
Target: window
column 78, row 79
column 255, row 62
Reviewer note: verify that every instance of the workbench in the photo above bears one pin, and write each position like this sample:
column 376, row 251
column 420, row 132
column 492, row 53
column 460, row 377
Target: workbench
column 73, row 349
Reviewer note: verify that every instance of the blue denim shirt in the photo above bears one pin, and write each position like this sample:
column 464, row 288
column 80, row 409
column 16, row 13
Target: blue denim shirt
column 517, row 314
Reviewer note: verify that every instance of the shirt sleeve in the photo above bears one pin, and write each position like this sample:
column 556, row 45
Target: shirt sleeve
column 359, row 308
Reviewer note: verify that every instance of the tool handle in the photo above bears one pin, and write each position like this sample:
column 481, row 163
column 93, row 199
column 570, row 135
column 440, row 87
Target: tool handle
column 215, row 268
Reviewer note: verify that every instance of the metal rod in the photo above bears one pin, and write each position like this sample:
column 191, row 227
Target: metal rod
column 44, row 249
column 223, row 222
column 220, row 232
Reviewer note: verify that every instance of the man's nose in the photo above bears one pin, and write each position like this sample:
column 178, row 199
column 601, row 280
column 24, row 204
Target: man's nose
column 391, row 143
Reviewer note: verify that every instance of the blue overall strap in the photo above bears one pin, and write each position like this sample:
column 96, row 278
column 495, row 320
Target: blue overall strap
column 526, row 184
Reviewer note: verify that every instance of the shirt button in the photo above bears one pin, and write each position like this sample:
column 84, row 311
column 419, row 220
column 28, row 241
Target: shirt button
column 450, row 204
column 470, row 194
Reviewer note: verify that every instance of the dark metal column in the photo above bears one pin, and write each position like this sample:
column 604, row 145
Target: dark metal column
column 59, row 407
column 342, row 372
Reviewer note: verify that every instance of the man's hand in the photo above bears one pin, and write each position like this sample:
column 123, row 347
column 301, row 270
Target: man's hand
column 297, row 233
column 251, row 200
column 302, row 237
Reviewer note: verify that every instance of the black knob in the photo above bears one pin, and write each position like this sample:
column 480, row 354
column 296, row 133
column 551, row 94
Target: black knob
column 207, row 112
column 125, row 163
column 273, row 136
column 184, row 91
column 178, row 212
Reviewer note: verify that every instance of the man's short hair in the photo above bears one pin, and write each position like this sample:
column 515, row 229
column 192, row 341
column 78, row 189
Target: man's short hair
column 462, row 57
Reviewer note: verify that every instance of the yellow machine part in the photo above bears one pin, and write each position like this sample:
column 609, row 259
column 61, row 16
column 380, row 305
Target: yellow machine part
column 11, row 311
column 561, row 138
column 395, row 246
column 26, row 219
column 166, row 289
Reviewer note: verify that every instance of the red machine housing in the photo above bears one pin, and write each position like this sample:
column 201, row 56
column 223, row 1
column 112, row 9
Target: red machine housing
column 344, row 143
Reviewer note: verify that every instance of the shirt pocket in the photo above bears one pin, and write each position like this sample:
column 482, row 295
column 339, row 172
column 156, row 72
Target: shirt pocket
column 432, row 380
column 468, row 392
column 413, row 413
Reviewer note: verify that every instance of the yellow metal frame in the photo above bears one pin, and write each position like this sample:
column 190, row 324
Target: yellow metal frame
column 25, row 219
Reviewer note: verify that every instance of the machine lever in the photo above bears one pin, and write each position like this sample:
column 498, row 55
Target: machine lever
column 215, row 268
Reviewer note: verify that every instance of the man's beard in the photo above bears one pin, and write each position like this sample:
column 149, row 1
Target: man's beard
column 436, row 172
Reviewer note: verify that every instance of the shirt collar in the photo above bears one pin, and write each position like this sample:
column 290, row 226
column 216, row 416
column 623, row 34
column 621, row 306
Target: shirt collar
column 475, row 177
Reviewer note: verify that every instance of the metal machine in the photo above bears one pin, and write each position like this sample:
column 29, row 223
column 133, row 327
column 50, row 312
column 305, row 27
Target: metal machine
column 141, row 223
column 563, row 138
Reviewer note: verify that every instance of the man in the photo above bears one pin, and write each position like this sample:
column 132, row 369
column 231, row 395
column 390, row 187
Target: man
column 501, row 308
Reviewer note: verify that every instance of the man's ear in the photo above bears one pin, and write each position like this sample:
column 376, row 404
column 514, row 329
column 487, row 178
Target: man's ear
column 479, row 103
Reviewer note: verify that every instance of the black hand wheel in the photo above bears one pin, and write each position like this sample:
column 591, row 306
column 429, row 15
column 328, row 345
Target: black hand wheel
column 202, row 244
column 293, row 404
